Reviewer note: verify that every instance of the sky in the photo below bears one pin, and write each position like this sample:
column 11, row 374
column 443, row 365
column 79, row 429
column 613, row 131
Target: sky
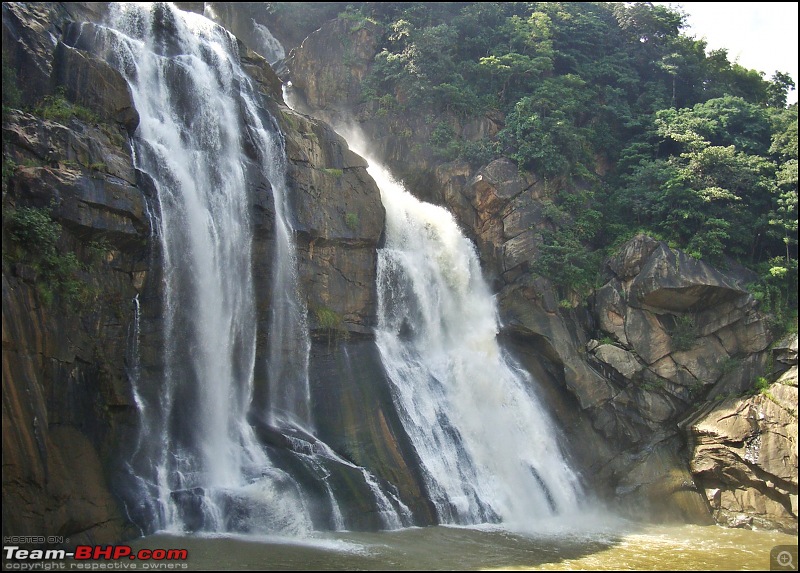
column 760, row 36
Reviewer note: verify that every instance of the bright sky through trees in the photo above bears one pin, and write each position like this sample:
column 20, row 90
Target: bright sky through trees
column 760, row 36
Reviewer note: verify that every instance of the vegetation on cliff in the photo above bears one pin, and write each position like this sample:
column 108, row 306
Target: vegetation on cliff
column 634, row 126
column 606, row 121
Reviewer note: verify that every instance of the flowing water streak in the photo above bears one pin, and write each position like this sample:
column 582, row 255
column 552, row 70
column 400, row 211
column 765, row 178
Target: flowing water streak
column 290, row 343
column 488, row 449
column 270, row 47
column 188, row 89
column 258, row 36
column 389, row 515
column 314, row 463
column 394, row 514
column 133, row 362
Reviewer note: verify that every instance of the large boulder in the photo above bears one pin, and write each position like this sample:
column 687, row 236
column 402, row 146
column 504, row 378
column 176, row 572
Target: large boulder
column 744, row 456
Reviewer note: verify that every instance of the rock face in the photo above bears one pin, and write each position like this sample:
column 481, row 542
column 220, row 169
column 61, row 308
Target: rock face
column 650, row 381
column 65, row 352
column 339, row 220
column 334, row 60
column 327, row 72
column 744, row 453
column 66, row 337
column 89, row 81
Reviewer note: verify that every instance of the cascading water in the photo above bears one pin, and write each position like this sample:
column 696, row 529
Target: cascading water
column 270, row 47
column 207, row 146
column 488, row 450
column 242, row 19
column 290, row 345
column 195, row 104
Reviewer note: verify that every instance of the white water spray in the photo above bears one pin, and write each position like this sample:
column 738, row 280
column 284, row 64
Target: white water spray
column 489, row 451
column 269, row 46
column 195, row 104
column 290, row 344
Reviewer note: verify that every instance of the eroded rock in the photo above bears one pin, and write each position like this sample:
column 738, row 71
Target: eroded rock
column 744, row 454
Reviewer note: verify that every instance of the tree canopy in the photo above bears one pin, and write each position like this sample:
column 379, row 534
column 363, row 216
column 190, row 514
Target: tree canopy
column 703, row 152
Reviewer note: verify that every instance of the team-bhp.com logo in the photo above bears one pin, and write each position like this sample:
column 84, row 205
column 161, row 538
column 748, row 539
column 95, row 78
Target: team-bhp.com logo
column 93, row 557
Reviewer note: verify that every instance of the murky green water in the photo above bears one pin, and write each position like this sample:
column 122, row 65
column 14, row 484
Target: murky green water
column 623, row 546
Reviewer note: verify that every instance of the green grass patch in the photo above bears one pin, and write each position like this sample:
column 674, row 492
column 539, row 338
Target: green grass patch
column 351, row 220
column 32, row 240
column 56, row 107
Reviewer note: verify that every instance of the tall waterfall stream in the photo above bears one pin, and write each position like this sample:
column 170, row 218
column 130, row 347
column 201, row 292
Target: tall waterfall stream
column 488, row 449
column 206, row 145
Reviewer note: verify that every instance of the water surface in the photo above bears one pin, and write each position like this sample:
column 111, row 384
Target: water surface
column 621, row 547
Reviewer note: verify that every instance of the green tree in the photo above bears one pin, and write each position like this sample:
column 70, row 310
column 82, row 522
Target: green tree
column 783, row 217
column 544, row 131
column 778, row 89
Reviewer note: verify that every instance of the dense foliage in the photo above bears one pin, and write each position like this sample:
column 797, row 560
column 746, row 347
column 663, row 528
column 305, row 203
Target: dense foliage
column 637, row 127
column 31, row 236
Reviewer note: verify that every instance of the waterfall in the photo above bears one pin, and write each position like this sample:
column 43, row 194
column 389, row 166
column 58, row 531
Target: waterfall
column 290, row 344
column 269, row 46
column 197, row 119
column 488, row 449
column 210, row 456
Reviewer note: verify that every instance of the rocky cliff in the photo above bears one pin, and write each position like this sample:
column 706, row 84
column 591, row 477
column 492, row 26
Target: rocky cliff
column 663, row 342
column 75, row 256
column 744, row 450
column 674, row 404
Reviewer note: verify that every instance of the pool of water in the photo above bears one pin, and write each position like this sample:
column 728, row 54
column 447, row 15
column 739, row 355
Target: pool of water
column 619, row 546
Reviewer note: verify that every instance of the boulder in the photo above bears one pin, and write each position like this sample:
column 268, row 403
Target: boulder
column 684, row 319
column 744, row 455
column 622, row 361
column 612, row 311
column 675, row 282
column 496, row 184
column 646, row 335
column 785, row 351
